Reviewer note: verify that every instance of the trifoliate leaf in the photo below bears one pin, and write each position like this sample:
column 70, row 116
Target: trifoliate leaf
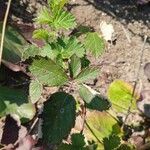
column 35, row 90
column 58, row 117
column 93, row 99
column 94, row 43
column 13, row 44
column 75, row 66
column 63, row 20
column 47, row 72
column 120, row 94
column 88, row 73
column 100, row 125
column 14, row 101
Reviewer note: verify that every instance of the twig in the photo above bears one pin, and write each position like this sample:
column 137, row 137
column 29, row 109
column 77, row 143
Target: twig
column 3, row 29
column 136, row 81
column 126, row 34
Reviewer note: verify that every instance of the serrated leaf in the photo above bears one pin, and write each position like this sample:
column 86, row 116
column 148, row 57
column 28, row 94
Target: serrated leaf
column 112, row 142
column 75, row 66
column 41, row 34
column 73, row 46
column 47, row 72
column 100, row 125
column 120, row 94
column 88, row 73
column 44, row 16
column 58, row 117
column 56, row 5
column 30, row 51
column 94, row 43
column 35, row 91
column 93, row 99
column 63, row 20
column 14, row 101
column 13, row 44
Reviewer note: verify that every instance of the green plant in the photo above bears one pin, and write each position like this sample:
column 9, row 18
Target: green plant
column 62, row 62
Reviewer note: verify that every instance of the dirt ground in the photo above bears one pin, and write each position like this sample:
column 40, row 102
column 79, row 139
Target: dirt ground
column 131, row 23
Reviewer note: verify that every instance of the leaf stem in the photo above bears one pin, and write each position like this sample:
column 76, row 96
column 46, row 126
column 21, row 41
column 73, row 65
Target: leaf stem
column 3, row 29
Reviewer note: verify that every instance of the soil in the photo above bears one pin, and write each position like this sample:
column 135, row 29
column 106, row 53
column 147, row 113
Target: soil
column 131, row 24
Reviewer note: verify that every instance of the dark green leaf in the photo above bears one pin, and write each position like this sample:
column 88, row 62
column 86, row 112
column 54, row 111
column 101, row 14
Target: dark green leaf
column 88, row 73
column 75, row 66
column 14, row 101
column 58, row 117
column 112, row 142
column 47, row 72
column 93, row 99
column 13, row 44
column 94, row 44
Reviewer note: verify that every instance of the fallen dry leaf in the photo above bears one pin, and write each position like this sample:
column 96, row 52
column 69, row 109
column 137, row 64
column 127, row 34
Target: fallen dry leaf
column 107, row 31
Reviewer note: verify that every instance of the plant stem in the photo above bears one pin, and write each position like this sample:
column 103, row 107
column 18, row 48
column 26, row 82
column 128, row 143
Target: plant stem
column 3, row 29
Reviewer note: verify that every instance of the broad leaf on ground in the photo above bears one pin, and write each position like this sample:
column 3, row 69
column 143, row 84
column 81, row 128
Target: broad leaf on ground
column 14, row 101
column 13, row 44
column 47, row 72
column 120, row 94
column 86, row 74
column 58, row 117
column 94, row 43
column 93, row 99
column 35, row 90
column 100, row 125
column 74, row 66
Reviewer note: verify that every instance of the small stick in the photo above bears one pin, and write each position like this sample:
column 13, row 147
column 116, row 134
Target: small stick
column 126, row 34
column 3, row 29
column 136, row 81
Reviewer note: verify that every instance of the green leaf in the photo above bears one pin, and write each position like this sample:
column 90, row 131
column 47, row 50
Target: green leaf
column 44, row 16
column 93, row 99
column 126, row 147
column 75, row 66
column 100, row 125
column 120, row 94
column 41, row 34
column 58, row 117
column 84, row 62
column 88, row 73
column 56, row 5
column 77, row 143
column 94, row 44
column 14, row 101
column 72, row 46
column 35, row 91
column 112, row 142
column 13, row 44
column 63, row 20
column 47, row 72
column 30, row 51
